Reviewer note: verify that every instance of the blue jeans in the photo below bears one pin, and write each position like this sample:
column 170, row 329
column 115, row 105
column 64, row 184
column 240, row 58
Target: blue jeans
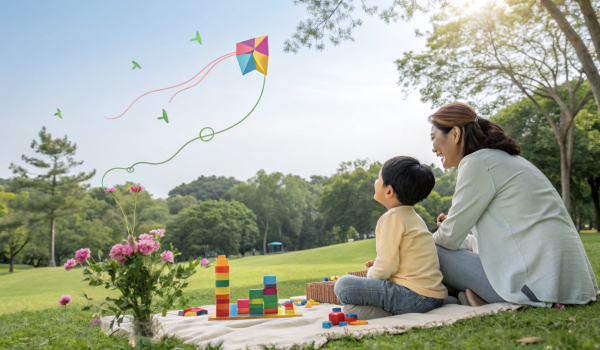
column 389, row 296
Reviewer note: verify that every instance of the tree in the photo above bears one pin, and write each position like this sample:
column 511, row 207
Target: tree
column 292, row 199
column 178, row 202
column 260, row 194
column 205, row 187
column 15, row 226
column 507, row 53
column 227, row 226
column 56, row 194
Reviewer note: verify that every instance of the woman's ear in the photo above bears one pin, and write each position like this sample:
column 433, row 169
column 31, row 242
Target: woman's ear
column 456, row 135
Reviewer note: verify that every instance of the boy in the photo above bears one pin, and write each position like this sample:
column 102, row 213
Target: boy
column 405, row 277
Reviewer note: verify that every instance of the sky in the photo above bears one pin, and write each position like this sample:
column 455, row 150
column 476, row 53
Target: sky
column 319, row 108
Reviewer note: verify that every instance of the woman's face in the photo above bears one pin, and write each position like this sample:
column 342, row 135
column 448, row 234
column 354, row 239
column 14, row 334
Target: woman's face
column 448, row 147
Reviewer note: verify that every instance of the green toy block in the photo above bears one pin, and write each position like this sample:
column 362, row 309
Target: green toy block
column 256, row 306
column 256, row 311
column 271, row 305
column 222, row 283
column 270, row 297
column 256, row 293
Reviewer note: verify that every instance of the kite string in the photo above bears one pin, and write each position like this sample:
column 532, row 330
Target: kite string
column 229, row 54
column 131, row 169
column 189, row 87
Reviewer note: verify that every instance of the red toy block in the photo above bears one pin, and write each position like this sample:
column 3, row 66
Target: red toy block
column 271, row 311
column 194, row 309
column 222, row 301
column 222, row 313
column 288, row 305
column 269, row 291
column 337, row 317
column 350, row 319
column 243, row 303
column 222, row 269
column 222, row 296
column 223, row 307
column 243, row 311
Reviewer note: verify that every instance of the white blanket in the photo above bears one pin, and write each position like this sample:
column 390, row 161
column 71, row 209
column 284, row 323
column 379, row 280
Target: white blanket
column 302, row 331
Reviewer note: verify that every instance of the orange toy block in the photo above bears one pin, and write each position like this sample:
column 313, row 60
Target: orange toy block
column 222, row 296
column 350, row 319
column 222, row 301
column 270, row 311
column 223, row 307
column 243, row 311
column 358, row 323
column 222, row 269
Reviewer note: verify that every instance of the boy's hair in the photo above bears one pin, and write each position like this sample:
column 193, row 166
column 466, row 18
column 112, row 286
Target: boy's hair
column 411, row 180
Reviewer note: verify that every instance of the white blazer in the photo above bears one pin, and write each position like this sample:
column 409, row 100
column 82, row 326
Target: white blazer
column 528, row 246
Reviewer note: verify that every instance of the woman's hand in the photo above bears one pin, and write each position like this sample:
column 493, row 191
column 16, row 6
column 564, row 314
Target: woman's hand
column 440, row 218
column 370, row 263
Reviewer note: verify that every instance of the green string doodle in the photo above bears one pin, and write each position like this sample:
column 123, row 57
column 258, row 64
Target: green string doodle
column 200, row 136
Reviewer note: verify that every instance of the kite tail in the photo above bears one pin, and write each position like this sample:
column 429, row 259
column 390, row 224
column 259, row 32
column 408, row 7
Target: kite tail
column 208, row 65
column 205, row 74
column 201, row 137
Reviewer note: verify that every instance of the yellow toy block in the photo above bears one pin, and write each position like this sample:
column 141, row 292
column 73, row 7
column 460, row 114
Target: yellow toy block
column 310, row 301
column 307, row 305
column 189, row 313
column 222, row 276
column 316, row 303
column 256, row 301
column 222, row 261
column 221, row 290
column 332, row 278
column 337, row 278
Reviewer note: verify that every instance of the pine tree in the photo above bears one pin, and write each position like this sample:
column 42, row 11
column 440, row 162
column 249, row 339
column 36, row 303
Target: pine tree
column 56, row 193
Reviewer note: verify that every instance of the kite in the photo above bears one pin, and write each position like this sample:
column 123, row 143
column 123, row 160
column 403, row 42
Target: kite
column 252, row 55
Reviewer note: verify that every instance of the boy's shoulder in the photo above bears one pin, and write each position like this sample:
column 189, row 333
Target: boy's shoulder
column 393, row 215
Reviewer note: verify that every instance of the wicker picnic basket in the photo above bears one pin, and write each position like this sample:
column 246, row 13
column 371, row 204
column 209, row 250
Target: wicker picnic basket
column 322, row 292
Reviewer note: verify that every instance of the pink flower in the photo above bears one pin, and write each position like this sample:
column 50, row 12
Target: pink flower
column 136, row 189
column 95, row 321
column 558, row 306
column 64, row 300
column 167, row 256
column 82, row 255
column 204, row 262
column 147, row 246
column 72, row 262
column 112, row 189
column 146, row 236
column 127, row 249
column 160, row 232
column 68, row 267
column 119, row 252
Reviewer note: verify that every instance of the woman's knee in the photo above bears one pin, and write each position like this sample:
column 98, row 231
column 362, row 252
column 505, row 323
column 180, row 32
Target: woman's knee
column 343, row 283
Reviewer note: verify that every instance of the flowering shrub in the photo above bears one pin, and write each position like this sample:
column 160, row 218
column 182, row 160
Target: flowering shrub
column 147, row 279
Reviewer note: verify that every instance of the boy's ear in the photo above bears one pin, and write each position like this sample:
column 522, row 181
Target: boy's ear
column 389, row 193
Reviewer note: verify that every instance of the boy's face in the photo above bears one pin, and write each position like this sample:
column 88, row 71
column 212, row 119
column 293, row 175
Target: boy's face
column 384, row 194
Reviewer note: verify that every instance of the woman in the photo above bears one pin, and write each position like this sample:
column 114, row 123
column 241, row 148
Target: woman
column 529, row 250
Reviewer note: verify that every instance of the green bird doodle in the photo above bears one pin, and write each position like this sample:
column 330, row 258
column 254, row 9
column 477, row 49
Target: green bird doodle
column 197, row 38
column 135, row 65
column 164, row 117
column 58, row 113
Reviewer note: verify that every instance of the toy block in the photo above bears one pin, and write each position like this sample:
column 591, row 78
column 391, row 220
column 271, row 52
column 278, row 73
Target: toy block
column 270, row 286
column 271, row 305
column 343, row 324
column 312, row 301
column 195, row 309
column 221, row 290
column 307, row 305
column 222, row 313
column 222, row 296
column 358, row 322
column 268, row 291
column 222, row 283
column 256, row 315
column 188, row 314
column 270, row 279
column 289, row 305
column 316, row 303
column 352, row 315
column 180, row 313
column 222, row 306
column 327, row 324
column 337, row 317
column 337, row 309
column 256, row 301
column 243, row 311
column 350, row 319
column 256, row 311
column 299, row 298
column 337, row 278
column 271, row 310
column 326, row 279
column 332, row 278
column 290, row 312
column 222, row 261
column 222, row 269
column 243, row 303
column 270, row 298
column 222, row 276
column 303, row 302
column 222, row 301
column 256, row 293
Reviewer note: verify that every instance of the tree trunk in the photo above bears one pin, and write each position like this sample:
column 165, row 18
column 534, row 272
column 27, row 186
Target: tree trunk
column 595, row 186
column 591, row 21
column 51, row 262
column 279, row 230
column 565, row 176
column 265, row 238
column 12, row 263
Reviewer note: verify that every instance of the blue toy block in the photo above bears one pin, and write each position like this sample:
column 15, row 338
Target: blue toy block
column 343, row 324
column 303, row 302
column 270, row 279
column 326, row 279
column 337, row 309
column 327, row 324
column 352, row 315
column 180, row 313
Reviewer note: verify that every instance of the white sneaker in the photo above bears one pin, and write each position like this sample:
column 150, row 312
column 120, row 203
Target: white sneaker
column 365, row 312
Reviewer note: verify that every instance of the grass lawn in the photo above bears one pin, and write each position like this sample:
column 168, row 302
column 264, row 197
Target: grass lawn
column 31, row 318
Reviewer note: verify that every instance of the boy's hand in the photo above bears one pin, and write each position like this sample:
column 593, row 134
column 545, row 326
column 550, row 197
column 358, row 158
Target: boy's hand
column 440, row 218
column 370, row 263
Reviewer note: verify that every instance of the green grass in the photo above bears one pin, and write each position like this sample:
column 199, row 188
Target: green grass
column 31, row 318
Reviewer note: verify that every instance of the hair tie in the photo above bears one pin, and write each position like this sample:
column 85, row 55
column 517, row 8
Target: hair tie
column 477, row 119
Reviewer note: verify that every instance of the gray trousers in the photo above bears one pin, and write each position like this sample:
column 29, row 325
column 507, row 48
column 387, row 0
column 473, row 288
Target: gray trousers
column 462, row 269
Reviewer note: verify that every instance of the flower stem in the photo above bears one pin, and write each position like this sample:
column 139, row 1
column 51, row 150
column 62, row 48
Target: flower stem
column 134, row 209
column 122, row 211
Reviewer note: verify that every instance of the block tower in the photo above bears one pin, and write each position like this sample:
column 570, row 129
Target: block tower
column 222, row 286
column 256, row 303
column 270, row 294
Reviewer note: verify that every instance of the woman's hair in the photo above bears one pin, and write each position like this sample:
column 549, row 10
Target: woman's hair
column 477, row 132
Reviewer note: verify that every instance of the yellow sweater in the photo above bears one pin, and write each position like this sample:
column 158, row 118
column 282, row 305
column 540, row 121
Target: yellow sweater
column 406, row 254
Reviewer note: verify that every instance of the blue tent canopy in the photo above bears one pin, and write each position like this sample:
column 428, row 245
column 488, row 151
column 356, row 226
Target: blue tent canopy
column 275, row 244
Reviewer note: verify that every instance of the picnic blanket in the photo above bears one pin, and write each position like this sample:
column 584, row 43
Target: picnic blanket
column 287, row 332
